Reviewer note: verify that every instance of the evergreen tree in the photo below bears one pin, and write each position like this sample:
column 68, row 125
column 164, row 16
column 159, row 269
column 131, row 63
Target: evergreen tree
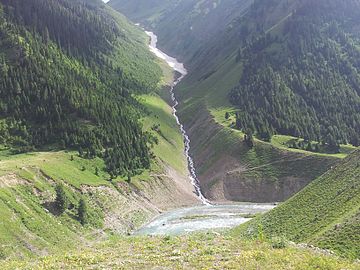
column 248, row 138
column 82, row 212
column 128, row 178
column 61, row 201
column 309, row 147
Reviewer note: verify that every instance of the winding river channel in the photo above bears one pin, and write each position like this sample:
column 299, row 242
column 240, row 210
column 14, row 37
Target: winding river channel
column 200, row 217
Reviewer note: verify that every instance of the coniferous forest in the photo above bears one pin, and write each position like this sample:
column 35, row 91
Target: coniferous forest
column 66, row 81
column 302, row 76
column 220, row 139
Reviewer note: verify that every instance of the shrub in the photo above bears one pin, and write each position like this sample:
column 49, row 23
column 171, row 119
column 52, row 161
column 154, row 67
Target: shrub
column 278, row 242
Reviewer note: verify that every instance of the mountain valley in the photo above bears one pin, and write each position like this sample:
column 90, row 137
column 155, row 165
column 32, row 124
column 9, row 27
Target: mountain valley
column 179, row 134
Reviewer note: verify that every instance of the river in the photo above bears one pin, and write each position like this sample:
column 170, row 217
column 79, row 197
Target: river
column 202, row 218
column 179, row 67
column 205, row 216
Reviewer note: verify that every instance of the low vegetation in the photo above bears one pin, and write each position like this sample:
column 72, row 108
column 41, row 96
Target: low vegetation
column 300, row 145
column 325, row 213
column 204, row 251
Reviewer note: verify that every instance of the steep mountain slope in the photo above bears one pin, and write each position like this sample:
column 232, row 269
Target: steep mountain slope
column 144, row 11
column 299, row 72
column 79, row 102
column 73, row 88
column 325, row 213
column 219, row 68
column 301, row 75
column 184, row 27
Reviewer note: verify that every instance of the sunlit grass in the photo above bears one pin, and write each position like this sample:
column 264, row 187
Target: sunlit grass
column 202, row 251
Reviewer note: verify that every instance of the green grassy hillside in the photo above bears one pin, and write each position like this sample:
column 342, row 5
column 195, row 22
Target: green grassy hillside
column 101, row 77
column 74, row 89
column 26, row 200
column 30, row 224
column 204, row 251
column 170, row 148
column 227, row 168
column 325, row 213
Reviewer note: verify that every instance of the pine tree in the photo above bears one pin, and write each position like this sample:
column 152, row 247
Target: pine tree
column 82, row 212
column 81, row 151
column 128, row 178
column 309, row 147
column 248, row 138
column 61, row 201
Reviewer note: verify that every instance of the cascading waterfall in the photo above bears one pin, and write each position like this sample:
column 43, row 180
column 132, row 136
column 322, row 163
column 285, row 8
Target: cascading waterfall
column 179, row 67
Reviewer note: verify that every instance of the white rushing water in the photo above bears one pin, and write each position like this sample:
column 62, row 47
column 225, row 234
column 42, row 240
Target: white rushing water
column 200, row 217
column 179, row 67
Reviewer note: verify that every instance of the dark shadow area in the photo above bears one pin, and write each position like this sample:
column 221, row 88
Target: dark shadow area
column 52, row 208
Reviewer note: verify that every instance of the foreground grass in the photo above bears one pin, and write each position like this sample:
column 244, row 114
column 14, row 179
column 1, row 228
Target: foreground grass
column 202, row 251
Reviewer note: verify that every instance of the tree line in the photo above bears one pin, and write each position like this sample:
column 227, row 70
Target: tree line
column 59, row 86
column 303, row 78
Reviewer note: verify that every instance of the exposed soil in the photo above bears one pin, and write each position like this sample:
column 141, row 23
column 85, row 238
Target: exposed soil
column 131, row 206
column 11, row 180
column 126, row 207
column 226, row 176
